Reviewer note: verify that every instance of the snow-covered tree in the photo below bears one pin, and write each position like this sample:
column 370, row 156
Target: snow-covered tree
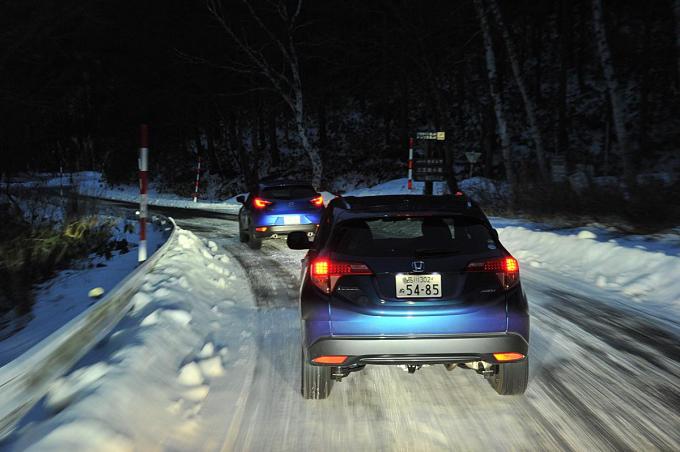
column 501, row 122
column 614, row 92
column 529, row 105
column 285, row 78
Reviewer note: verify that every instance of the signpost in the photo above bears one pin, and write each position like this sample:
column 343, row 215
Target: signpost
column 472, row 158
column 428, row 169
column 438, row 136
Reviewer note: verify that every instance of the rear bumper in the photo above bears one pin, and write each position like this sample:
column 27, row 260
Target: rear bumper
column 421, row 350
column 284, row 230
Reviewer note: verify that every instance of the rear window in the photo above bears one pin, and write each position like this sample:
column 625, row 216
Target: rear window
column 289, row 192
column 407, row 236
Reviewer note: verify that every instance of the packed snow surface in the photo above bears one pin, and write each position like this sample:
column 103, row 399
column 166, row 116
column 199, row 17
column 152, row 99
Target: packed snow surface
column 208, row 359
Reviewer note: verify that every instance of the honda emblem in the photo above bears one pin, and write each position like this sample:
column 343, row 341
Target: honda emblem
column 418, row 266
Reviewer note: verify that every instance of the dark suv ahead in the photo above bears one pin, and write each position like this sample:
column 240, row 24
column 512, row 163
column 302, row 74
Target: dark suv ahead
column 277, row 208
column 411, row 281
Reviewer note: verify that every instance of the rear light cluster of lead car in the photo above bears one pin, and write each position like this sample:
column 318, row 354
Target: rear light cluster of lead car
column 325, row 273
column 317, row 201
column 506, row 268
column 260, row 203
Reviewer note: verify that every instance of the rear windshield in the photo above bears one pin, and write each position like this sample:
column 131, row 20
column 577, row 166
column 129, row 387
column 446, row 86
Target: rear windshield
column 408, row 236
column 289, row 192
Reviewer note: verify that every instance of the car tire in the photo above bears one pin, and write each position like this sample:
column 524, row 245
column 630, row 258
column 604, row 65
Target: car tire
column 315, row 381
column 254, row 242
column 511, row 378
column 242, row 236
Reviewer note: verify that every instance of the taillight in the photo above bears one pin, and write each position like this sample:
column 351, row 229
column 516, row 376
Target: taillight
column 325, row 273
column 260, row 203
column 506, row 268
column 332, row 359
column 317, row 201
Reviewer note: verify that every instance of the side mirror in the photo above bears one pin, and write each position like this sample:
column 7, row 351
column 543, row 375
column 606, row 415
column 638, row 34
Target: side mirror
column 298, row 240
column 495, row 233
column 241, row 199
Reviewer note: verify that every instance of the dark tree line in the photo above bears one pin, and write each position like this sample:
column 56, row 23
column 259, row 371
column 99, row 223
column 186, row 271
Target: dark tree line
column 323, row 88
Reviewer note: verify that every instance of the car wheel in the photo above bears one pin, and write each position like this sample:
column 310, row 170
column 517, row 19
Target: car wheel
column 316, row 382
column 242, row 236
column 254, row 242
column 511, row 378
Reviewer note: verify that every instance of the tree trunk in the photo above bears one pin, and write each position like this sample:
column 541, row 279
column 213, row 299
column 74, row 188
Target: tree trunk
column 562, row 138
column 497, row 101
column 236, row 141
column 676, row 13
column 323, row 132
column 537, row 44
column 297, row 105
column 313, row 154
column 615, row 96
column 528, row 102
column 645, row 89
column 273, row 139
column 488, row 138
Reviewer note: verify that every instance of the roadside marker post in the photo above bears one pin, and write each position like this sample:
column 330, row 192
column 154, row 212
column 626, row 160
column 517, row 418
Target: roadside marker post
column 410, row 163
column 143, row 189
column 198, row 176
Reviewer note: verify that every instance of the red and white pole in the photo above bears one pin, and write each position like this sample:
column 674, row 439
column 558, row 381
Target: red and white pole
column 198, row 176
column 410, row 163
column 143, row 187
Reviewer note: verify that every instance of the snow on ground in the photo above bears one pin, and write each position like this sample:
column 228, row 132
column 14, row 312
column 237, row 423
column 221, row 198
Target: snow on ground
column 90, row 183
column 646, row 279
column 194, row 355
column 65, row 296
column 149, row 379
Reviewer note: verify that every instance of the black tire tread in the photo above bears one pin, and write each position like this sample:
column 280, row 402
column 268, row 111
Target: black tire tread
column 511, row 378
column 316, row 381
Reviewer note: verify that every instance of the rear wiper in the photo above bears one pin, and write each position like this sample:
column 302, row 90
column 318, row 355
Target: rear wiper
column 434, row 251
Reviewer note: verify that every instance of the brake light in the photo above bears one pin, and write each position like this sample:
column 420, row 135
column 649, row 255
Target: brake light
column 506, row 268
column 260, row 203
column 325, row 273
column 317, row 201
column 510, row 356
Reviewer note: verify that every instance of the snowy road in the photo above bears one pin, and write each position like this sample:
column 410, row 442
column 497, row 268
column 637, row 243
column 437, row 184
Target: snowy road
column 603, row 376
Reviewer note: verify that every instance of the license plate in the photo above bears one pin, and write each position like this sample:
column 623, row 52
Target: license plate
column 419, row 286
column 291, row 219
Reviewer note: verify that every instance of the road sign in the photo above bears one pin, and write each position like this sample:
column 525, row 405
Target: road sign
column 429, row 169
column 439, row 136
column 472, row 157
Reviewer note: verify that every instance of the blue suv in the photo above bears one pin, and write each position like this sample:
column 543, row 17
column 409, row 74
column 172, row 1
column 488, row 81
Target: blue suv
column 277, row 208
column 410, row 281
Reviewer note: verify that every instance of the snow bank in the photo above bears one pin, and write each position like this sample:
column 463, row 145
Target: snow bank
column 395, row 187
column 648, row 279
column 91, row 184
column 151, row 376
column 65, row 296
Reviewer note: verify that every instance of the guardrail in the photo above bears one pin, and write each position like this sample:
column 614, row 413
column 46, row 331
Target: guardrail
column 26, row 379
